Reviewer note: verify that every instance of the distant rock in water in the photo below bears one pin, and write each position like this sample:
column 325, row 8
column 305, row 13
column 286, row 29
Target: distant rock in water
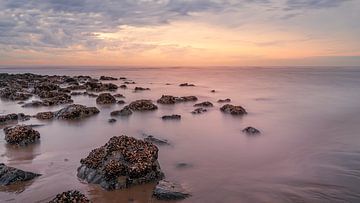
column 212, row 91
column 142, row 105
column 105, row 98
column 119, row 96
column 76, row 111
column 123, row 86
column 11, row 118
column 156, row 141
column 199, row 111
column 166, row 190
column 45, row 115
column 186, row 85
column 10, row 175
column 107, row 78
column 120, row 102
column 126, row 111
column 171, row 117
column 21, row 135
column 224, row 100
column 141, row 89
column 183, row 165
column 251, row 131
column 112, row 120
column 71, row 196
column 168, row 99
column 204, row 104
column 15, row 94
column 99, row 87
column 122, row 162
column 233, row 110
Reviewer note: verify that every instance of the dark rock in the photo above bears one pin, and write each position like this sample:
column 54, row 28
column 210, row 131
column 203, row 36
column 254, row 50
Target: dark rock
column 99, row 87
column 105, row 98
column 119, row 96
column 107, row 78
column 58, row 100
column 166, row 190
column 233, row 110
column 112, row 120
column 14, row 94
column 142, row 105
column 10, row 175
column 122, row 162
column 76, row 93
column 71, row 196
column 129, row 82
column 212, row 91
column 21, row 135
column 183, row 165
column 168, row 99
column 45, row 115
column 126, row 111
column 251, row 131
column 120, row 102
column 11, row 118
column 224, row 100
column 171, row 117
column 156, row 141
column 122, row 78
column 204, row 104
column 76, row 111
column 141, row 89
column 187, row 99
column 123, row 86
column 186, row 85
column 92, row 95
column 199, row 111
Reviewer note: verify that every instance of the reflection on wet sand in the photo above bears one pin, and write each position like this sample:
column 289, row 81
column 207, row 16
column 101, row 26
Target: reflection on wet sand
column 24, row 154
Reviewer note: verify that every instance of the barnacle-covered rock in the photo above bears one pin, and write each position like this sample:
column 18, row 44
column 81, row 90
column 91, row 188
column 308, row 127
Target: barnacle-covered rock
column 204, row 104
column 126, row 111
column 233, row 110
column 199, row 110
column 99, row 87
column 122, row 162
column 14, row 94
column 71, row 196
column 10, row 175
column 142, row 105
column 13, row 117
column 76, row 111
column 105, row 98
column 45, row 115
column 21, row 135
column 168, row 99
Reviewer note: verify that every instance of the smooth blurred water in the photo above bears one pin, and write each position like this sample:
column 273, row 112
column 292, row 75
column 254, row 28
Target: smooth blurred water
column 309, row 150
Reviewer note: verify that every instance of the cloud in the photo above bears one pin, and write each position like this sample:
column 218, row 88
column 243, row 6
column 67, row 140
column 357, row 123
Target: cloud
column 313, row 4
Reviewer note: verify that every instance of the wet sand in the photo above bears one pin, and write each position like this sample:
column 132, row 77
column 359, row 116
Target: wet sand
column 307, row 152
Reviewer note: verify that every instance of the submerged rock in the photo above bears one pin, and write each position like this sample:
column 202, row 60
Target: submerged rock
column 119, row 95
column 204, row 104
column 142, row 105
column 120, row 102
column 224, row 100
column 112, row 120
column 171, row 117
column 168, row 99
column 123, row 86
column 183, row 165
column 107, row 78
column 212, row 91
column 126, row 111
column 71, row 196
column 45, row 115
column 233, row 110
column 156, row 141
column 10, row 118
column 251, row 131
column 10, row 175
column 105, row 98
column 14, row 94
column 35, row 103
column 21, row 135
column 186, row 85
column 199, row 111
column 122, row 162
column 76, row 111
column 166, row 190
column 141, row 89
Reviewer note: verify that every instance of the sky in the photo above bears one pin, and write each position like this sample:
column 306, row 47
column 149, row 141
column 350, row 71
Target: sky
column 180, row 32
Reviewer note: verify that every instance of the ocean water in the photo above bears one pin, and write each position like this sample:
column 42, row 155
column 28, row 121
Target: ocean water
column 309, row 149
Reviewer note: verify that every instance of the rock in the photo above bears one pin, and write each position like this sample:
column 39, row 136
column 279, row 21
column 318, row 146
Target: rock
column 171, row 117
column 142, row 105
column 224, row 100
column 251, row 131
column 10, row 118
column 141, row 89
column 233, row 110
column 120, row 102
column 76, row 111
column 122, row 162
column 76, row 93
column 123, row 86
column 119, row 96
column 45, row 87
column 21, row 135
column 71, row 196
column 14, row 94
column 112, row 120
column 45, row 115
column 129, row 82
column 183, row 165
column 105, row 98
column 212, row 91
column 10, row 175
column 34, row 103
column 123, row 78
column 126, row 111
column 199, row 111
column 92, row 95
column 58, row 100
column 99, row 87
column 204, row 104
column 166, row 190
column 107, row 78
column 168, row 99
column 186, row 85
column 156, row 141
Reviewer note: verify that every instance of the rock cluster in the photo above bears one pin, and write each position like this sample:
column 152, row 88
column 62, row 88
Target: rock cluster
column 21, row 135
column 10, row 118
column 168, row 99
column 233, row 110
column 142, row 105
column 107, row 78
column 71, row 196
column 10, row 175
column 105, row 98
column 99, row 87
column 122, row 162
column 76, row 111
